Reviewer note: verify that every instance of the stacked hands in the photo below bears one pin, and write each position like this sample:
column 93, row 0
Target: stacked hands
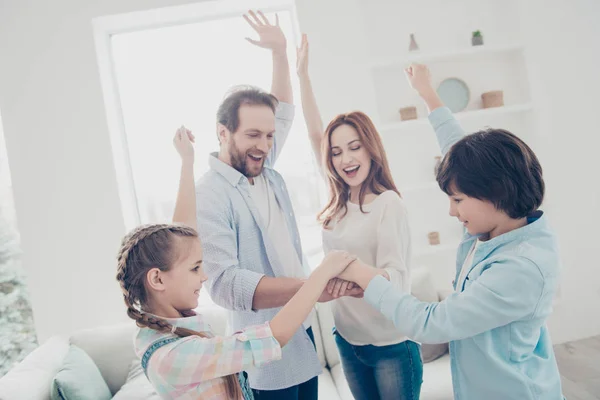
column 343, row 271
column 333, row 267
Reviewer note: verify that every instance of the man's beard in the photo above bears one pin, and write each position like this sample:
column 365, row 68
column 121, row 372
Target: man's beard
column 239, row 161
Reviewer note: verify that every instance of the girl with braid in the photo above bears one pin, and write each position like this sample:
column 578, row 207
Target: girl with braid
column 160, row 273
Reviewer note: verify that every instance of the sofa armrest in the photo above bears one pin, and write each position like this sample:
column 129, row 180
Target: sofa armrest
column 32, row 377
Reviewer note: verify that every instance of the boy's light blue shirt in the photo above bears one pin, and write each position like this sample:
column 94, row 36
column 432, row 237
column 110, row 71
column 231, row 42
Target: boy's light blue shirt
column 496, row 320
column 238, row 252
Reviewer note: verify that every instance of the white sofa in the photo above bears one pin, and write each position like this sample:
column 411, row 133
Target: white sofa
column 111, row 348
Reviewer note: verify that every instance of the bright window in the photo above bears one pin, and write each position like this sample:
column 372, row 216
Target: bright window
column 178, row 74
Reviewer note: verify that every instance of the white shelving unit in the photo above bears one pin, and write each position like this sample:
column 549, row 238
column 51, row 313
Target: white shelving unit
column 426, row 58
column 461, row 116
column 412, row 146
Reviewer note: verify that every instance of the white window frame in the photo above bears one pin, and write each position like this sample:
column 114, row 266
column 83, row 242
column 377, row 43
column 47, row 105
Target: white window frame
column 105, row 27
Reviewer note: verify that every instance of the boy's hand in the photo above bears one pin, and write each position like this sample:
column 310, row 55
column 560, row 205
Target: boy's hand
column 419, row 78
column 270, row 36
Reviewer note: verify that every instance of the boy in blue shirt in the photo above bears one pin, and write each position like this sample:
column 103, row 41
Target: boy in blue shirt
column 507, row 266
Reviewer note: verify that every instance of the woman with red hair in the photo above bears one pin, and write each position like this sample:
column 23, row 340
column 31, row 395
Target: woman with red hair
column 366, row 216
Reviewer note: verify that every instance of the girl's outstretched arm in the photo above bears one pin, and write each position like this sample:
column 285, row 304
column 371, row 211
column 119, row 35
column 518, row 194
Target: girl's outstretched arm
column 185, row 205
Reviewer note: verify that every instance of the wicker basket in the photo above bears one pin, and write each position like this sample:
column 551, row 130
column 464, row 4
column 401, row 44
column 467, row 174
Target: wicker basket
column 434, row 238
column 494, row 98
column 407, row 113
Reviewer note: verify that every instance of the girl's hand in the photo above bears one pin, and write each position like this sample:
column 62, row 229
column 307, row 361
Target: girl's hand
column 183, row 142
column 302, row 57
column 419, row 78
column 334, row 263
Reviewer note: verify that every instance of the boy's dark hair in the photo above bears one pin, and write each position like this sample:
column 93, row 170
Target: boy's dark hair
column 497, row 166
column 228, row 112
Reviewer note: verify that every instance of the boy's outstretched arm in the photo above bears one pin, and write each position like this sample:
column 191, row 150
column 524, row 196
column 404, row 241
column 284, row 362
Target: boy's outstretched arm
column 419, row 78
column 509, row 290
column 447, row 129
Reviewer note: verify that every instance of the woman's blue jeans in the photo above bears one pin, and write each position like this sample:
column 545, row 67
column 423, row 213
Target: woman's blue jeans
column 382, row 372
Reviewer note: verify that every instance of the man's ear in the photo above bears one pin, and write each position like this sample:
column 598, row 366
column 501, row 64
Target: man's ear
column 223, row 133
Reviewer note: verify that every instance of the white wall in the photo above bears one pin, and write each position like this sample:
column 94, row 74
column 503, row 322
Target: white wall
column 564, row 60
column 61, row 164
column 64, row 182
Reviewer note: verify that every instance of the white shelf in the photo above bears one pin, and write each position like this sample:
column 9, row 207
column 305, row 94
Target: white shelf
column 435, row 249
column 485, row 112
column 424, row 57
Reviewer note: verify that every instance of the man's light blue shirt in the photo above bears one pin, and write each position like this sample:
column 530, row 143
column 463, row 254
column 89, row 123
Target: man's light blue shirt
column 238, row 253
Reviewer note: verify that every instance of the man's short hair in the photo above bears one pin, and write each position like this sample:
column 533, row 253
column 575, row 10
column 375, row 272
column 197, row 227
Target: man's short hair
column 228, row 112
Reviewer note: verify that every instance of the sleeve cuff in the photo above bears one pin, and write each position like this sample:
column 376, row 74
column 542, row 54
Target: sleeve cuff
column 249, row 282
column 439, row 116
column 265, row 348
column 285, row 111
column 255, row 332
column 376, row 289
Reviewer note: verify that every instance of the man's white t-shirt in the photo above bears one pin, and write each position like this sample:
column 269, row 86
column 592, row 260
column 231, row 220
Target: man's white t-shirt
column 275, row 224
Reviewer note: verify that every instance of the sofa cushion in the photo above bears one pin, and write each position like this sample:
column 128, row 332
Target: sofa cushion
column 437, row 380
column 327, row 389
column 79, row 379
column 111, row 348
column 341, row 383
column 424, row 289
column 326, row 324
column 316, row 328
column 431, row 352
column 422, row 286
column 32, row 377
column 137, row 386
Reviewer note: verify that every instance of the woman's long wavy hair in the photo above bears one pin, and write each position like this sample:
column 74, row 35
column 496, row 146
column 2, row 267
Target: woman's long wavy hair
column 379, row 179
column 147, row 247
